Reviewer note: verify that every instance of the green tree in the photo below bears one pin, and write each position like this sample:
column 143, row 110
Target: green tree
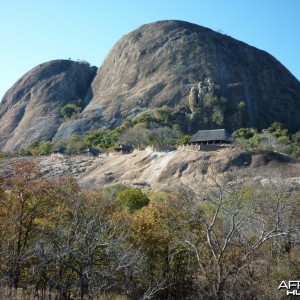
column 24, row 209
column 69, row 111
column 167, row 266
column 132, row 198
column 241, row 106
column 103, row 139
column 244, row 133
column 144, row 118
column 45, row 148
column 163, row 114
column 296, row 138
column 218, row 117
column 277, row 129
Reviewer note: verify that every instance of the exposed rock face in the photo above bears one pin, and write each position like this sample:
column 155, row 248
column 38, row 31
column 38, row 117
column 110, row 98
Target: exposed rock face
column 159, row 63
column 183, row 170
column 29, row 111
column 212, row 80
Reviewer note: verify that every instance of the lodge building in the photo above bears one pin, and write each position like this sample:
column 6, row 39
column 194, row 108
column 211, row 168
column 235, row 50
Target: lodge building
column 210, row 139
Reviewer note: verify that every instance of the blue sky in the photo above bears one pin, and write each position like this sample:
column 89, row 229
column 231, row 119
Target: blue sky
column 36, row 31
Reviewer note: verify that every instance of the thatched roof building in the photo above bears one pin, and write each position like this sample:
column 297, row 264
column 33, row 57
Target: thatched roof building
column 58, row 150
column 91, row 151
column 124, row 149
column 216, row 136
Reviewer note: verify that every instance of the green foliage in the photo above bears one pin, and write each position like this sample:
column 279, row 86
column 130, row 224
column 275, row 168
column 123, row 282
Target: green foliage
column 70, row 111
column 182, row 139
column 58, row 237
column 277, row 129
column 112, row 191
column 244, row 133
column 4, row 154
column 132, row 198
column 294, row 147
column 218, row 117
column 45, row 148
column 163, row 114
column 274, row 138
column 255, row 140
column 241, row 106
column 103, row 139
column 213, row 101
column 144, row 118
column 40, row 148
column 296, row 138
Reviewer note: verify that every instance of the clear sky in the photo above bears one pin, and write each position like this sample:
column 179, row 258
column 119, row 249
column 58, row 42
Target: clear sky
column 36, row 31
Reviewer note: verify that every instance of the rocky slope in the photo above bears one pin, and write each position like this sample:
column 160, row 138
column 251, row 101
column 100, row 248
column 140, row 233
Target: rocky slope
column 203, row 75
column 159, row 63
column 186, row 170
column 29, row 111
column 183, row 170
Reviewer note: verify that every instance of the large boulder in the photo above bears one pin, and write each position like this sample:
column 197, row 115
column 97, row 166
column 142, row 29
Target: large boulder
column 30, row 110
column 221, row 81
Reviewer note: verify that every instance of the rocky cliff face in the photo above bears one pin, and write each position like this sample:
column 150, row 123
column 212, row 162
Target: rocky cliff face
column 209, row 79
column 29, row 111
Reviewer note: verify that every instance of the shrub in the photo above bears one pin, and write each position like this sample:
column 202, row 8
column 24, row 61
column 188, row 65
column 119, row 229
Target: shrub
column 244, row 133
column 132, row 198
column 277, row 129
column 70, row 110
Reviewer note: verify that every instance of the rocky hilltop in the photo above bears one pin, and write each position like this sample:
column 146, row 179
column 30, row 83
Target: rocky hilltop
column 208, row 79
column 30, row 109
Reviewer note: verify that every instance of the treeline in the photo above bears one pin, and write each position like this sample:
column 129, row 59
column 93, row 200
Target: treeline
column 157, row 130
column 274, row 138
column 224, row 241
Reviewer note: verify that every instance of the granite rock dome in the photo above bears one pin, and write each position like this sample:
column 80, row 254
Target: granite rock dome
column 208, row 79
column 30, row 109
column 159, row 63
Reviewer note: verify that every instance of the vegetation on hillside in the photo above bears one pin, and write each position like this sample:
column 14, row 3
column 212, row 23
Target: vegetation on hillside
column 223, row 242
column 274, row 138
column 72, row 109
column 161, row 129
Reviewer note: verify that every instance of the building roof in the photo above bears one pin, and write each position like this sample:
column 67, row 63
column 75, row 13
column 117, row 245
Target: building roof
column 59, row 149
column 211, row 135
column 122, row 147
column 91, row 150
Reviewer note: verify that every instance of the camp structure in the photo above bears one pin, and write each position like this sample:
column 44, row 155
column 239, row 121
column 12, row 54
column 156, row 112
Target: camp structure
column 205, row 138
column 58, row 150
column 123, row 149
column 89, row 151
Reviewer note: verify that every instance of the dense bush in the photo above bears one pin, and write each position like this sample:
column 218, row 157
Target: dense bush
column 70, row 111
column 132, row 198
column 233, row 241
column 274, row 138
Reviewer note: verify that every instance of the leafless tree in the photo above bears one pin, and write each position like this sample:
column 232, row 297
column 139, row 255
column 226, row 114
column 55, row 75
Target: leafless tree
column 137, row 137
column 238, row 221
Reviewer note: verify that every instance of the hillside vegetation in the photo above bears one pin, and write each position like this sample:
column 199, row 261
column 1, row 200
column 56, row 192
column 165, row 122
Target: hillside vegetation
column 164, row 221
column 119, row 242
column 161, row 129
